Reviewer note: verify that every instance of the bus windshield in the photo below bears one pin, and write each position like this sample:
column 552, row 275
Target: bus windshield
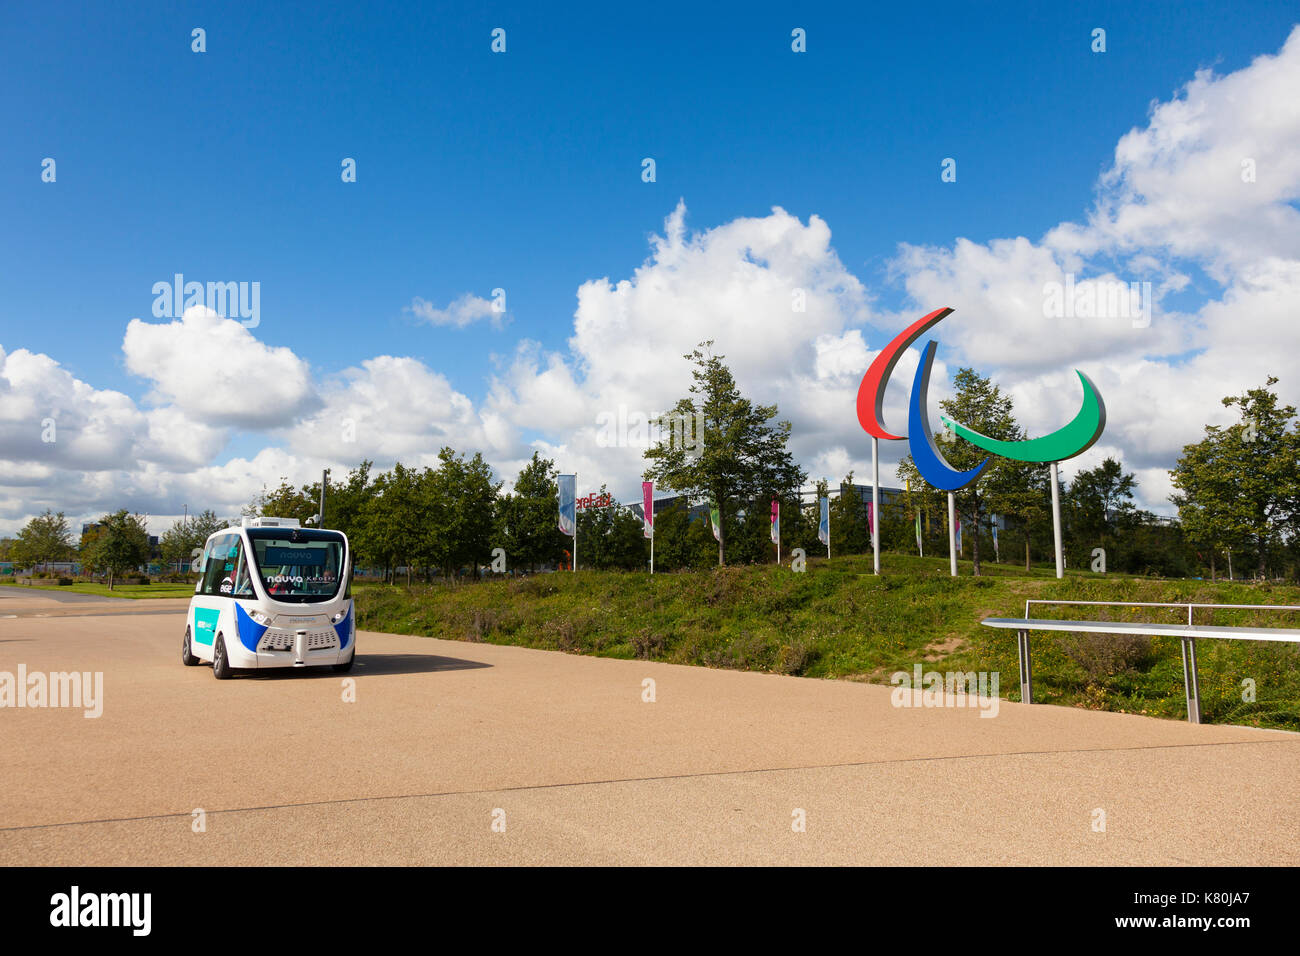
column 298, row 566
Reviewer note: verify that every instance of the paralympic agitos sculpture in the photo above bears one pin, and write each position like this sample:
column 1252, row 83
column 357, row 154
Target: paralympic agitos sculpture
column 1074, row 439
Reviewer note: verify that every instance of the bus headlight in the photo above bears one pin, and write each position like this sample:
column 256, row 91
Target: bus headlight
column 260, row 617
column 338, row 616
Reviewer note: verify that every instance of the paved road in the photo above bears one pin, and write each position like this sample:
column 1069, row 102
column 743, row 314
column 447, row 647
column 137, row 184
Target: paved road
column 35, row 602
column 446, row 737
column 16, row 593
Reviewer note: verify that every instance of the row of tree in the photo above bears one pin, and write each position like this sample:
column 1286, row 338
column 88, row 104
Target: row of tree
column 1239, row 491
column 115, row 545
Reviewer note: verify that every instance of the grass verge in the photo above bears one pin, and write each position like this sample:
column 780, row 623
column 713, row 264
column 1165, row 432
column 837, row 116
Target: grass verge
column 838, row 620
column 136, row 591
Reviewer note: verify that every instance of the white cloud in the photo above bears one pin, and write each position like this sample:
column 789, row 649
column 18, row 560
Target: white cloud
column 216, row 371
column 769, row 291
column 391, row 408
column 464, row 311
column 1174, row 203
column 49, row 416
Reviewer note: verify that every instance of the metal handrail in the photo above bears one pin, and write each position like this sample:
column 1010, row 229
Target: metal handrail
column 1191, row 684
column 1187, row 604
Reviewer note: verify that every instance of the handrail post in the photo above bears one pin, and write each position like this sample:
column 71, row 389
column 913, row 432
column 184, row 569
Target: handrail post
column 1191, row 686
column 1026, row 668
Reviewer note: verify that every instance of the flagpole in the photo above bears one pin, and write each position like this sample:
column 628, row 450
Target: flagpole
column 574, row 569
column 648, row 517
column 776, row 513
column 952, row 532
column 875, row 503
column 1056, row 523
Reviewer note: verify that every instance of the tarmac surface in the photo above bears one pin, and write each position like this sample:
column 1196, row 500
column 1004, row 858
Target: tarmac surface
column 459, row 753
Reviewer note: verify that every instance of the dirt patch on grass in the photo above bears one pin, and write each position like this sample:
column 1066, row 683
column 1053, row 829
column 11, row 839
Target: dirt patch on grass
column 937, row 652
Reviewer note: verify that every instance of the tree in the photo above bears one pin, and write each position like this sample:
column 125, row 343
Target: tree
column 286, row 501
column 980, row 405
column 529, row 516
column 681, row 542
column 1022, row 490
column 1203, row 500
column 460, row 512
column 1101, row 500
column 1239, row 484
column 749, row 533
column 394, row 522
column 738, row 456
column 118, row 544
column 344, row 500
column 179, row 542
column 849, row 533
column 43, row 539
column 1105, row 491
column 611, row 537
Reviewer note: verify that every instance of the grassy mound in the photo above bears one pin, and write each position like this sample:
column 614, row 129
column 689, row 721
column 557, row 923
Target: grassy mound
column 838, row 620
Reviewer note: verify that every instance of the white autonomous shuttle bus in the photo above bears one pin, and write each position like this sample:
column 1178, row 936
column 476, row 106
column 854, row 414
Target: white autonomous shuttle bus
column 272, row 594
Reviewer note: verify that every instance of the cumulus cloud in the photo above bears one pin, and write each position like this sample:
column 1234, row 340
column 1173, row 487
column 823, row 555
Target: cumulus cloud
column 216, row 371
column 1213, row 175
column 391, row 408
column 769, row 292
column 1208, row 187
column 50, row 417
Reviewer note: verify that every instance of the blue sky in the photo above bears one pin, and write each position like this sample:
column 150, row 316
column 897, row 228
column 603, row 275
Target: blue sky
column 523, row 170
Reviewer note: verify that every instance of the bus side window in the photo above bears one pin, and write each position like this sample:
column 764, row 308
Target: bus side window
column 243, row 584
column 215, row 562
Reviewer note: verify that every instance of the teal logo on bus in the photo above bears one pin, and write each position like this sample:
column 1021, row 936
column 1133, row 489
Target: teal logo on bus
column 205, row 625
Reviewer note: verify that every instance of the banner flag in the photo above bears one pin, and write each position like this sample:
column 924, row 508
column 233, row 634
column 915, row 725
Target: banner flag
column 776, row 521
column 716, row 520
column 871, row 518
column 958, row 534
column 568, row 485
column 824, row 524
column 918, row 531
column 648, row 506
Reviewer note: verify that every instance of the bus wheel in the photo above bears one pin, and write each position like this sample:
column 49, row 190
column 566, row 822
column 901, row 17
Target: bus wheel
column 344, row 668
column 187, row 657
column 220, row 662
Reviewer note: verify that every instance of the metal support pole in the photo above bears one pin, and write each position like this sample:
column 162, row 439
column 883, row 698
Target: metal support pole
column 1191, row 686
column 324, row 481
column 1026, row 668
column 1056, row 523
column 952, row 532
column 875, row 502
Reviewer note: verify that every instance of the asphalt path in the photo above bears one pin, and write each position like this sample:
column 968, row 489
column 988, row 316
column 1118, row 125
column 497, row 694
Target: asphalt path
column 440, row 752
